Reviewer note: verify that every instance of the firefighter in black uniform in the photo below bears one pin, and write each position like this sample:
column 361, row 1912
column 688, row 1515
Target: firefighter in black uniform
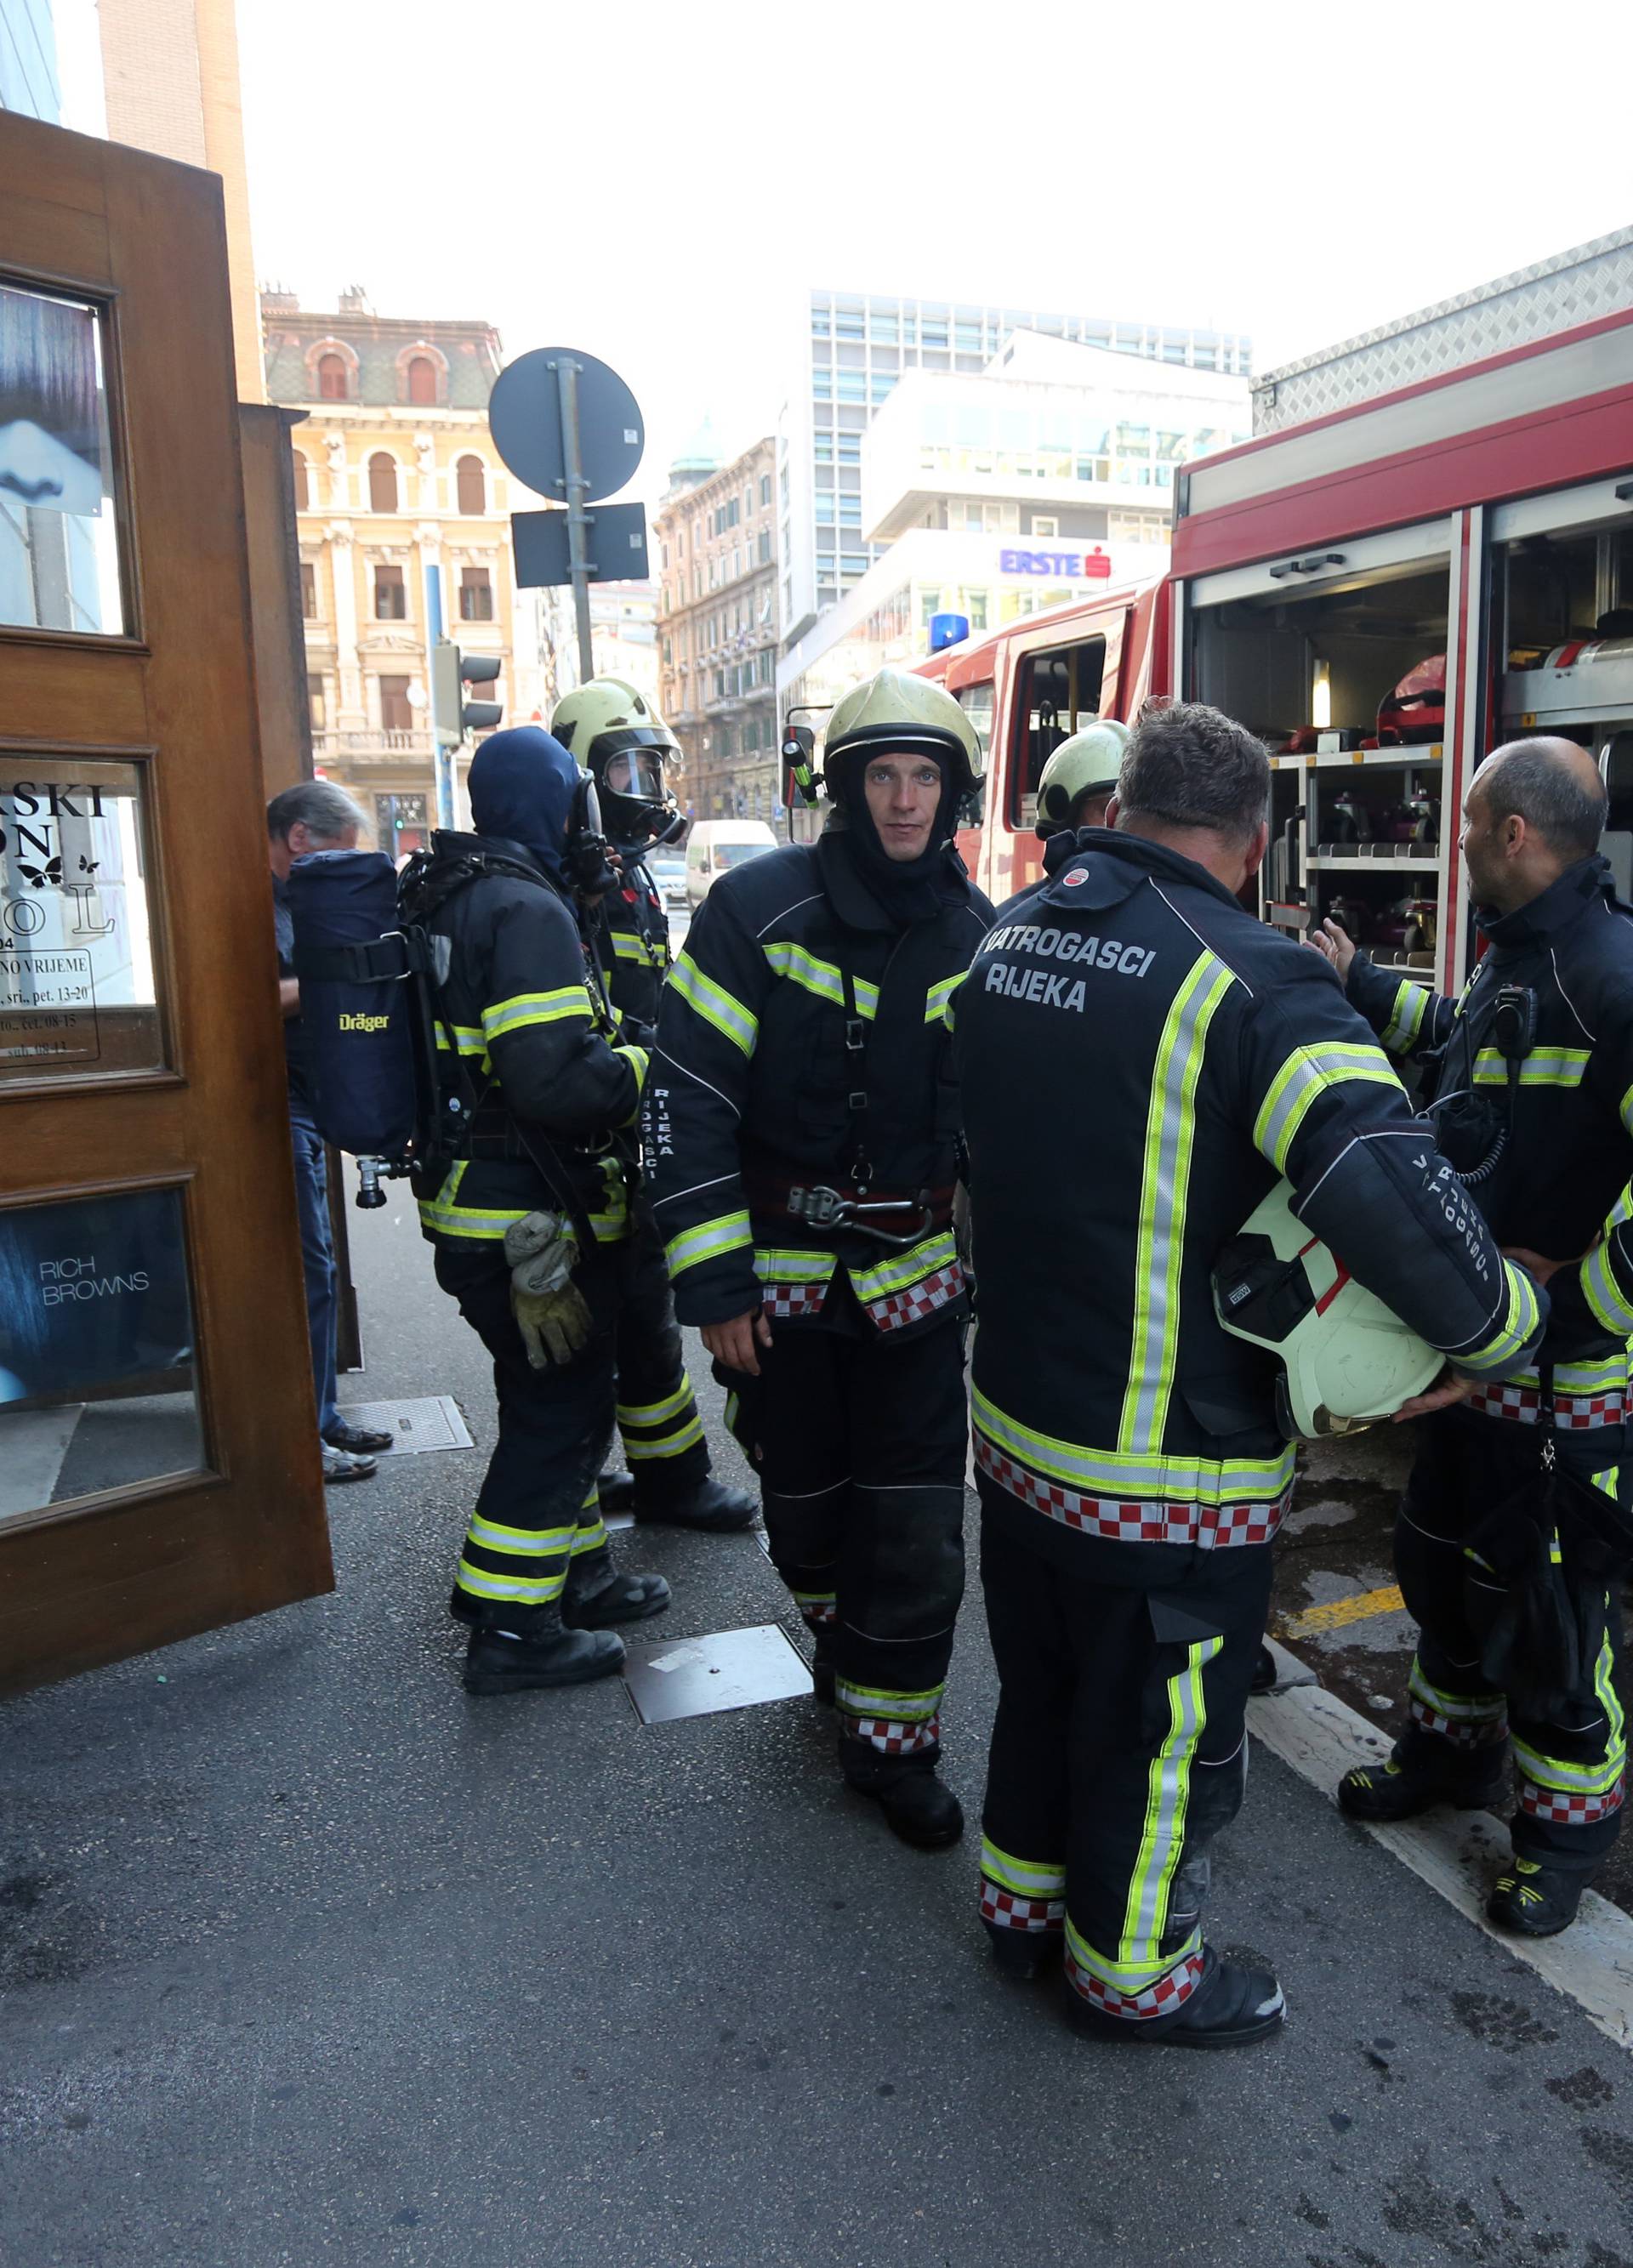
column 531, row 1224
column 1131, row 1469
column 1074, row 788
column 800, row 1129
column 613, row 730
column 1531, row 1076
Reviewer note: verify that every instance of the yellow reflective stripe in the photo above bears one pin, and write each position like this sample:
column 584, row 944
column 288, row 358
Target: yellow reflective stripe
column 878, row 1701
column 527, row 1542
column 1168, row 1790
column 672, row 1445
column 1577, row 1779
column 467, row 1040
column 773, row 1265
column 1307, row 1073
column 655, row 1413
column 938, row 1251
column 525, row 1590
column 938, row 999
column 627, row 947
column 453, row 1219
column 824, row 978
column 1542, row 1067
column 1129, row 1976
column 591, row 1536
column 1406, row 1019
column 1169, row 1132
column 525, row 1008
column 1516, row 1327
column 1598, row 1276
column 638, row 1061
column 714, row 1004
column 1604, row 1685
column 1107, row 1472
column 708, row 1241
column 1627, row 1111
column 1030, row 1879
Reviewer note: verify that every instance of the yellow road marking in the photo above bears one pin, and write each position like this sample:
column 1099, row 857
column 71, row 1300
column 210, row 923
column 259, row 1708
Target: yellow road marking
column 1338, row 1613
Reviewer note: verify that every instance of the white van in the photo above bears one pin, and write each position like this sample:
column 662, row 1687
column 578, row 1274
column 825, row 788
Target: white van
column 714, row 844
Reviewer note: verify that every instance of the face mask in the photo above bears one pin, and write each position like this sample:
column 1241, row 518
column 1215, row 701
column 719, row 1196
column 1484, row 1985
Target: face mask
column 584, row 859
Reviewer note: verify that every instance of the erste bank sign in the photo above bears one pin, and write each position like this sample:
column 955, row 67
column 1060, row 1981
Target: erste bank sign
column 1093, row 566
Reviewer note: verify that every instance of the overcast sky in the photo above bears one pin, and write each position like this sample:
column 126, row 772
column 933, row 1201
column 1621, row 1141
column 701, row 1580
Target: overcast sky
column 653, row 183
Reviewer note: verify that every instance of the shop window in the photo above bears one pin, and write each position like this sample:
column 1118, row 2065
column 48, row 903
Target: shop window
column 382, row 481
column 396, row 711
column 390, row 596
column 422, row 382
column 1057, row 690
column 334, row 379
column 308, row 591
column 475, row 595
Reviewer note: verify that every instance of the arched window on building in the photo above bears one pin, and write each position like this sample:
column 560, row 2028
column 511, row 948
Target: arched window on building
column 382, row 481
column 303, row 483
column 422, row 382
column 333, row 381
column 470, row 481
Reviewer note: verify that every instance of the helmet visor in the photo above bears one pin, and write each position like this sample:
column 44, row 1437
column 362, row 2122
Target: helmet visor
column 636, row 772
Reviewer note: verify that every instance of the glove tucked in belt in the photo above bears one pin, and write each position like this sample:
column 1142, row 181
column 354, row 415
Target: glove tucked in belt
column 549, row 1307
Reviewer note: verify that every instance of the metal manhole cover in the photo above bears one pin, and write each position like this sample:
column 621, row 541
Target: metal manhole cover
column 433, row 1423
column 727, row 1669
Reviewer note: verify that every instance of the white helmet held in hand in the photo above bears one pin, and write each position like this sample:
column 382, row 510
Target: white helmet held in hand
column 1348, row 1361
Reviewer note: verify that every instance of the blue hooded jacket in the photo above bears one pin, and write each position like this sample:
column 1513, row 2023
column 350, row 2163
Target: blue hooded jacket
column 522, row 783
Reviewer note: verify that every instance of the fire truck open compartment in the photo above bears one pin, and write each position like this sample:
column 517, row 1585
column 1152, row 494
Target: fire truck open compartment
column 1310, row 653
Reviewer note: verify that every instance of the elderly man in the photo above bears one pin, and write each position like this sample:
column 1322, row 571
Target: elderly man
column 1131, row 1468
column 315, row 815
column 1515, row 1517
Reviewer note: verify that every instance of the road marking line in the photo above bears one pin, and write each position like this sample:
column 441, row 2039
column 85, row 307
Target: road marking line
column 1456, row 1853
column 1337, row 1613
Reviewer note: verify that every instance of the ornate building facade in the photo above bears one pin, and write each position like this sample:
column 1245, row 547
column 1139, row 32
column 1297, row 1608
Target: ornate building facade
column 715, row 540
column 398, row 490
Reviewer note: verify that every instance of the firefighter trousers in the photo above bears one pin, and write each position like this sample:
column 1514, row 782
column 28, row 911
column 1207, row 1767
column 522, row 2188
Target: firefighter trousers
column 658, row 1420
column 1119, row 1749
column 858, row 1444
column 538, row 1512
column 1569, row 1758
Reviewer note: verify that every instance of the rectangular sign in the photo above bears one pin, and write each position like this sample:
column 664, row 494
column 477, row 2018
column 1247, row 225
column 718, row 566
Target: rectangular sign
column 1059, row 566
column 616, row 539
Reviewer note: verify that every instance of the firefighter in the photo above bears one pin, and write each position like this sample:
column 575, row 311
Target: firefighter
column 1131, row 1469
column 801, row 1127
column 611, row 728
column 531, row 1226
column 1074, row 788
column 1508, row 1571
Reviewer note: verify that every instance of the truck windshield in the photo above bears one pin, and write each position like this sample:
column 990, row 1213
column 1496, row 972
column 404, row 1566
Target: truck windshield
column 738, row 854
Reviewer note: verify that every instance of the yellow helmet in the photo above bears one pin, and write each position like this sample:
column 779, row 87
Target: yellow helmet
column 896, row 709
column 617, row 735
column 1087, row 764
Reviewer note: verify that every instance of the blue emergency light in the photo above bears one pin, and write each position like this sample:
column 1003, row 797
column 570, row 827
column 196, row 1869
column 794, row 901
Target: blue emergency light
column 948, row 630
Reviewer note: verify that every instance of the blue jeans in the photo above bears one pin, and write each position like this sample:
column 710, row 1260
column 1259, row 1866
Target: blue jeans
column 317, row 1260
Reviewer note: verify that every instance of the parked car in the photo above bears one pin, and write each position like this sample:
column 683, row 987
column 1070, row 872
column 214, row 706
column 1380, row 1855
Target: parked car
column 714, row 844
column 667, row 870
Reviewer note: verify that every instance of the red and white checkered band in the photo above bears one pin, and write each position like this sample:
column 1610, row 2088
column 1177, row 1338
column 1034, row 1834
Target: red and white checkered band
column 1211, row 1526
column 890, row 1737
column 793, row 1299
column 920, row 1298
column 821, row 1613
column 1159, row 1999
column 1008, row 1910
column 1462, row 1732
column 1573, row 1413
column 1564, row 1810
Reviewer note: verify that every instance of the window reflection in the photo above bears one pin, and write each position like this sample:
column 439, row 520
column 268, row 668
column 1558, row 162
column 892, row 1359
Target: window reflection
column 59, row 549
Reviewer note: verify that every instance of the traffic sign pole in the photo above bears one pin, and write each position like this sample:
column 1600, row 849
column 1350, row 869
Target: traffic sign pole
column 442, row 756
column 577, row 518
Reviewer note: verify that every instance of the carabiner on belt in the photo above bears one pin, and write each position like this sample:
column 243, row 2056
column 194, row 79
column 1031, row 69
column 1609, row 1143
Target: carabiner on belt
column 826, row 1208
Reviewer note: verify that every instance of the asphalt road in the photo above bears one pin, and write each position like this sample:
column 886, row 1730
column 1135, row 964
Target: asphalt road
column 307, row 1957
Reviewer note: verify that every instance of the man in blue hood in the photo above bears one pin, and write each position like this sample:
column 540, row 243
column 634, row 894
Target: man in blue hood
column 532, row 1223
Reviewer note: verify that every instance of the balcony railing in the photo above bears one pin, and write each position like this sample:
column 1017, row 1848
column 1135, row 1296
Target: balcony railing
column 369, row 747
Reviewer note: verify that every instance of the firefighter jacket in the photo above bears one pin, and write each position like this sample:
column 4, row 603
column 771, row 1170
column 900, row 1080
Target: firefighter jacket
column 801, row 1044
column 1139, row 1059
column 524, row 1009
column 633, row 942
column 1559, row 1122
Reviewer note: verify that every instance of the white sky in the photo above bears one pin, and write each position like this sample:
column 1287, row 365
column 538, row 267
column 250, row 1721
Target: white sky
column 649, row 183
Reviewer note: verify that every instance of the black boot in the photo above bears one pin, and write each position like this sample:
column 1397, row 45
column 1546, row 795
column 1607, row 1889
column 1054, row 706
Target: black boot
column 1026, row 1952
column 1236, row 2003
column 1422, row 1771
column 708, row 1505
column 1534, row 1899
column 597, row 1596
column 543, row 1654
column 616, row 1490
column 821, row 1671
column 917, row 1805
column 1263, row 1680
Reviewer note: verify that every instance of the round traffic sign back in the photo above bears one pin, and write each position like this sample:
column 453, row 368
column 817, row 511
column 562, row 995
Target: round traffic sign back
column 524, row 417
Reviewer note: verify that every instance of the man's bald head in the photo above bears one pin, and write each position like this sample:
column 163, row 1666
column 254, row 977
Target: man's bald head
column 1534, row 807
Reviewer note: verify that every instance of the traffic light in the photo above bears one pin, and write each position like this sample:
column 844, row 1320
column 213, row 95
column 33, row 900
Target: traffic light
column 451, row 672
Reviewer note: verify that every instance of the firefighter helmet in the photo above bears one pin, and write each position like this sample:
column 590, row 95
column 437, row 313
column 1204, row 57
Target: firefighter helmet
column 617, row 735
column 895, row 710
column 1087, row 764
column 1347, row 1361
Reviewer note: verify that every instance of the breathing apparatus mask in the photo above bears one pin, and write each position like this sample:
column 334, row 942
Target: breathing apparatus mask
column 586, row 864
column 609, row 727
column 1473, row 1128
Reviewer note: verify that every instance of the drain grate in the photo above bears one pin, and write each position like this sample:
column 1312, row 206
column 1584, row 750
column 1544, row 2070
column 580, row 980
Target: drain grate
column 432, row 1422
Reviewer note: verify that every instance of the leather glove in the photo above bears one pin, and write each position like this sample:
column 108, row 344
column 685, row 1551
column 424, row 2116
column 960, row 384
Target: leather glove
column 549, row 1307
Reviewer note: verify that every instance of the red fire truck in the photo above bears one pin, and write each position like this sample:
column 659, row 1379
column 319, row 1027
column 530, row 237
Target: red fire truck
column 1384, row 595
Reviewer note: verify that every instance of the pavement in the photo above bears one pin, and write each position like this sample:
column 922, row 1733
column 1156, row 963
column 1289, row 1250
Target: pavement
column 307, row 1956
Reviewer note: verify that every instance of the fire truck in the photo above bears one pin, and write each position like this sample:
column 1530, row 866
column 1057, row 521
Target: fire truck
column 1385, row 594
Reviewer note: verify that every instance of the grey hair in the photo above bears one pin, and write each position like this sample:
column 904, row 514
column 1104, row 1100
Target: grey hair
column 326, row 811
column 1189, row 765
column 1533, row 784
